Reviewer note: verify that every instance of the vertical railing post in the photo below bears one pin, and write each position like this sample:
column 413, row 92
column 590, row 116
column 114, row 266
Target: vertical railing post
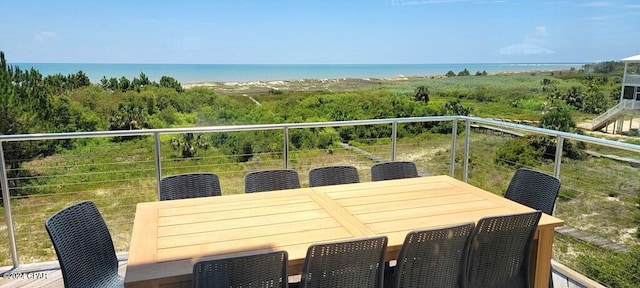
column 286, row 148
column 6, row 201
column 558, row 159
column 156, row 138
column 394, row 137
column 454, row 137
column 465, row 171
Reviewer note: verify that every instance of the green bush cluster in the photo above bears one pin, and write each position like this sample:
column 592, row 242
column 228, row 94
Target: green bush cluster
column 532, row 150
column 518, row 153
column 592, row 94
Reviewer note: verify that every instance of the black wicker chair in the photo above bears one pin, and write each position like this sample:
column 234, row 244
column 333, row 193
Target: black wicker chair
column 333, row 175
column 499, row 251
column 270, row 180
column 84, row 247
column 266, row 270
column 534, row 189
column 355, row 263
column 393, row 170
column 433, row 258
column 191, row 185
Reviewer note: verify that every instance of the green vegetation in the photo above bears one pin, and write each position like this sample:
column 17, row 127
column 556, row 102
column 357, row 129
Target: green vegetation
column 612, row 269
column 117, row 173
column 137, row 84
column 532, row 150
column 422, row 94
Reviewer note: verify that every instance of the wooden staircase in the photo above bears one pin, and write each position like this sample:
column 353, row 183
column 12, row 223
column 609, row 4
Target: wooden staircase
column 615, row 113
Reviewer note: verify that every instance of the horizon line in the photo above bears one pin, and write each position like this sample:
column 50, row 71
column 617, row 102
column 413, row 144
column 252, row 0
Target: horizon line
column 296, row 64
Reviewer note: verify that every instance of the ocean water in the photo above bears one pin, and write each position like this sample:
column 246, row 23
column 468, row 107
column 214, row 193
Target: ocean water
column 193, row 73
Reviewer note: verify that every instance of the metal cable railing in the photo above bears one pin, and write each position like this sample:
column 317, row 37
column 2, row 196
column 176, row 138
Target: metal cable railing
column 118, row 182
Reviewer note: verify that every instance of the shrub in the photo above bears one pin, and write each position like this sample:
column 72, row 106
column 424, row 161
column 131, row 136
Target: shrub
column 518, row 153
column 129, row 116
column 327, row 137
column 421, row 94
column 170, row 82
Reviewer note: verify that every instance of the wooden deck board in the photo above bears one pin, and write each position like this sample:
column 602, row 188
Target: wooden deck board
column 49, row 274
column 54, row 277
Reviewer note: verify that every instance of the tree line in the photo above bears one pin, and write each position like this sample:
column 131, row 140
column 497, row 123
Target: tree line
column 136, row 84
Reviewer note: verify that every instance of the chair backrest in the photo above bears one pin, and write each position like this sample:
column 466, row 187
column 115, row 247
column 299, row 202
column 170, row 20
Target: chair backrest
column 191, row 185
column 270, row 180
column 433, row 258
column 534, row 189
column 333, row 175
column 355, row 263
column 393, row 170
column 499, row 251
column 264, row 270
column 84, row 247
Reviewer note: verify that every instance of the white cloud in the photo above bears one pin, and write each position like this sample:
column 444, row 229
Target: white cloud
column 532, row 44
column 46, row 35
column 597, row 4
column 525, row 49
column 600, row 18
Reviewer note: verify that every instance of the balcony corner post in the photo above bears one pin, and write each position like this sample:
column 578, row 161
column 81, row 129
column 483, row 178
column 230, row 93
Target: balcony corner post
column 558, row 158
column 454, row 137
column 286, row 147
column 6, row 201
column 465, row 172
column 158, row 161
column 394, row 139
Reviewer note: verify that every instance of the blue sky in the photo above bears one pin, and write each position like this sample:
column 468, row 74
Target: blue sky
column 318, row 31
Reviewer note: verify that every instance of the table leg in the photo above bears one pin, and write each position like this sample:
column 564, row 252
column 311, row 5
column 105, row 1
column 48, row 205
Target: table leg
column 541, row 260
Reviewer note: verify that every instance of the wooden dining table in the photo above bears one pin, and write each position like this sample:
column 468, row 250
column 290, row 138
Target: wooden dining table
column 169, row 237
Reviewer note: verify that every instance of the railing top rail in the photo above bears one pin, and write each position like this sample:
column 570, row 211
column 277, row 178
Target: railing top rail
column 566, row 135
column 225, row 128
column 237, row 128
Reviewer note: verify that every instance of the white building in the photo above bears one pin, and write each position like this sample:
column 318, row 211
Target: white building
column 629, row 98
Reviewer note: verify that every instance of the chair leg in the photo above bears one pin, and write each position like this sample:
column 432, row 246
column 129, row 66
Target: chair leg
column 389, row 271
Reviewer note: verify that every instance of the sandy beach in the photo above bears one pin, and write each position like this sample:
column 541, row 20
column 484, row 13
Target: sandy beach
column 322, row 84
column 339, row 84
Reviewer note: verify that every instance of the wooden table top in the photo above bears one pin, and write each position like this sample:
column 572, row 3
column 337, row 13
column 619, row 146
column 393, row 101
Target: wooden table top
column 170, row 236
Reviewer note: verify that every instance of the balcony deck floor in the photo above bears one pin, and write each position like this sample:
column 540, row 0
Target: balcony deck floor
column 44, row 276
column 53, row 277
